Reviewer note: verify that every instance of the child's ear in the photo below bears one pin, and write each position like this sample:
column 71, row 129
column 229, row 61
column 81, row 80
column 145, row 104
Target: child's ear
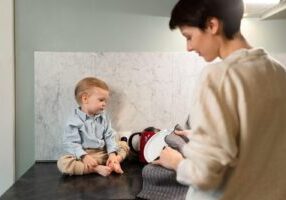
column 84, row 98
column 214, row 25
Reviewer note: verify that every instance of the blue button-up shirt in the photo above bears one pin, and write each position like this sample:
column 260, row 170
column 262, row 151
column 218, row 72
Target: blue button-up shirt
column 83, row 131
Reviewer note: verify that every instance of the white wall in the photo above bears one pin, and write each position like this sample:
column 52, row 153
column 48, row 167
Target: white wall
column 269, row 34
column 7, row 96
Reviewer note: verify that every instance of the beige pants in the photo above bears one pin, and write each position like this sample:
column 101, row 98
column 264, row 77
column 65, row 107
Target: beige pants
column 68, row 164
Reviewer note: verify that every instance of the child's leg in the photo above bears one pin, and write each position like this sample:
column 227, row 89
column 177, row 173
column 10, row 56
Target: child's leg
column 68, row 164
column 101, row 157
column 123, row 150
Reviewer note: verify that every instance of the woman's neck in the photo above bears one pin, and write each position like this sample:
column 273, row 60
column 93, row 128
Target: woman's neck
column 230, row 46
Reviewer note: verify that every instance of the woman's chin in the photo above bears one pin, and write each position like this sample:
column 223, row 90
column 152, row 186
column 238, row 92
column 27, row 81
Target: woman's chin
column 208, row 59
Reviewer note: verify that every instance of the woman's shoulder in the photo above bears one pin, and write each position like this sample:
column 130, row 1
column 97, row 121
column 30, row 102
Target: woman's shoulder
column 240, row 60
column 214, row 71
column 246, row 57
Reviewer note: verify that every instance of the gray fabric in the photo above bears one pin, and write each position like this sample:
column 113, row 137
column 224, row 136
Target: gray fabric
column 160, row 184
column 175, row 141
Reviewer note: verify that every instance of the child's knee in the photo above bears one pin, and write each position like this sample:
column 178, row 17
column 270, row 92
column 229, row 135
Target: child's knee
column 68, row 164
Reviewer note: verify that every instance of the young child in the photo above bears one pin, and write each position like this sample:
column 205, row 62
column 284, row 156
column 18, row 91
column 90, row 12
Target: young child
column 89, row 139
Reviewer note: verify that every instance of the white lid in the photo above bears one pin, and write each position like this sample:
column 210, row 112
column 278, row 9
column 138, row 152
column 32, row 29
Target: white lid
column 155, row 145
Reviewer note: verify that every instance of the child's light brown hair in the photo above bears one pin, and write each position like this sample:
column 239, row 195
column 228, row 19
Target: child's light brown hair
column 87, row 83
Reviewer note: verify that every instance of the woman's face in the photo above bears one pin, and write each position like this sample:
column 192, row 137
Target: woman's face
column 204, row 43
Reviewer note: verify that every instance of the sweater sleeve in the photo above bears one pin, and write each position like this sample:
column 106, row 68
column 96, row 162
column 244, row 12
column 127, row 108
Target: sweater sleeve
column 212, row 147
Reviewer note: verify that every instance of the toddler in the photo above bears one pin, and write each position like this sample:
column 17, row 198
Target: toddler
column 89, row 140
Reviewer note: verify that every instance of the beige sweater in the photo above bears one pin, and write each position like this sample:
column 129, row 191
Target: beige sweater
column 237, row 150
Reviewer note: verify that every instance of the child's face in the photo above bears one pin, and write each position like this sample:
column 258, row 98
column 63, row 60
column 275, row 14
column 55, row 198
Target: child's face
column 95, row 101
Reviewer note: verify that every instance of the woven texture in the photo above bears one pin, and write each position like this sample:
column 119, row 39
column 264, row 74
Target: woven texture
column 160, row 184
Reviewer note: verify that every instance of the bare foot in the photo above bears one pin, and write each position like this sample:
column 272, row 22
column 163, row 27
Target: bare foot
column 102, row 170
column 117, row 168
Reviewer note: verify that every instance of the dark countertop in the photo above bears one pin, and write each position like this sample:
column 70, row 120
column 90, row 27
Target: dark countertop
column 44, row 181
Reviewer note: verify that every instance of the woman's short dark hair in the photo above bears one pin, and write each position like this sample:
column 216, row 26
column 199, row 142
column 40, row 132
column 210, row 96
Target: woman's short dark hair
column 197, row 12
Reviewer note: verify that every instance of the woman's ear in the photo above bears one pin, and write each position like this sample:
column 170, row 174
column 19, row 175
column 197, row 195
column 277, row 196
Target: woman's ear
column 214, row 25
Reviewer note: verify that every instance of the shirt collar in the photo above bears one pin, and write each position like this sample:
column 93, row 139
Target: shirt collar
column 245, row 52
column 84, row 116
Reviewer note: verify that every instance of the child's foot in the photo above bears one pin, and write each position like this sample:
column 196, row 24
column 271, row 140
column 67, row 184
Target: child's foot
column 117, row 168
column 102, row 170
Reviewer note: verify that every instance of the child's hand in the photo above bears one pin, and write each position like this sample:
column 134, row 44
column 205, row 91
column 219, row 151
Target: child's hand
column 119, row 158
column 114, row 163
column 111, row 159
column 89, row 162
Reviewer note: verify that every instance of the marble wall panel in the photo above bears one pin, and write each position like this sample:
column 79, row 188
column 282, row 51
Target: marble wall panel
column 147, row 89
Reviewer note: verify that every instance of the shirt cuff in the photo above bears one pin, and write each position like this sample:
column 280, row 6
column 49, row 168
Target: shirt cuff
column 111, row 150
column 79, row 153
column 115, row 152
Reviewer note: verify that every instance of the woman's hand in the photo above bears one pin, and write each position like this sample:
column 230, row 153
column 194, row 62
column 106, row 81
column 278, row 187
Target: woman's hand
column 183, row 132
column 169, row 158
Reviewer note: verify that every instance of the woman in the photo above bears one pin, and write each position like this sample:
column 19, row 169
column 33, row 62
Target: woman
column 238, row 139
